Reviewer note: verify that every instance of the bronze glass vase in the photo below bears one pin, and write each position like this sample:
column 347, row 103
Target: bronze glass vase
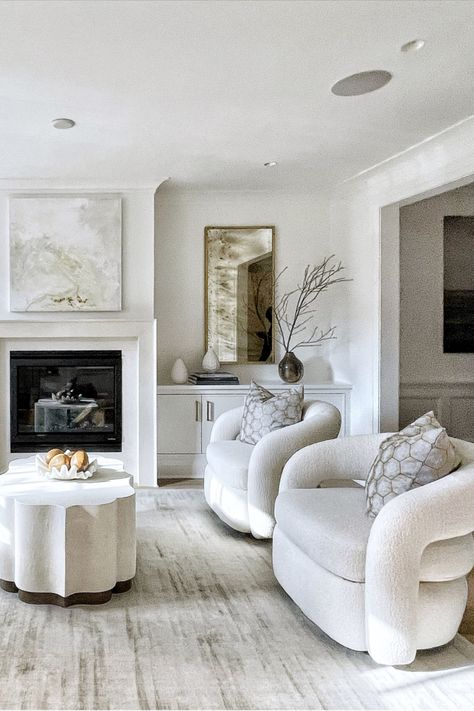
column 290, row 368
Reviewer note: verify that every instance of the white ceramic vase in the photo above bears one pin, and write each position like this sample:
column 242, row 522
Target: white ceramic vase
column 210, row 362
column 179, row 372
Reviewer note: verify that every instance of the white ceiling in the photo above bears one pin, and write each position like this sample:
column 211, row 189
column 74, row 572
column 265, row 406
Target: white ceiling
column 206, row 92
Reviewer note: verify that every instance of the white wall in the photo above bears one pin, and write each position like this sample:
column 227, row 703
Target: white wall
column 137, row 258
column 302, row 237
column 356, row 234
column 421, row 296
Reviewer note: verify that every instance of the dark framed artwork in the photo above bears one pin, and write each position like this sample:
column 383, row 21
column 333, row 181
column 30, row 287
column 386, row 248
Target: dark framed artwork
column 239, row 293
column 458, row 236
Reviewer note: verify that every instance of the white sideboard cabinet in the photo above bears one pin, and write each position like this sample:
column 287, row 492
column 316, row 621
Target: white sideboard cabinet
column 186, row 415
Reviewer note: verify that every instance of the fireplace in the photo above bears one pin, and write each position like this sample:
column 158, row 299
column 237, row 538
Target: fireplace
column 67, row 399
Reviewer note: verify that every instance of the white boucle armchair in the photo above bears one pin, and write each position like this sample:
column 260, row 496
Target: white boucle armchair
column 241, row 480
column 389, row 585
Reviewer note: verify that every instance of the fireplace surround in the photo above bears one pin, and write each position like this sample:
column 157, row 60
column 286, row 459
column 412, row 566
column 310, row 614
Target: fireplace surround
column 135, row 339
column 65, row 398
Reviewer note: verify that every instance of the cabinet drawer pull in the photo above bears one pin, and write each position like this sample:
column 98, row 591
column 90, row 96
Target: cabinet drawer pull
column 197, row 410
column 209, row 410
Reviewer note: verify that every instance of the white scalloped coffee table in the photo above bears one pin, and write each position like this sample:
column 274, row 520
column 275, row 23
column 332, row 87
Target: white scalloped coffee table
column 66, row 542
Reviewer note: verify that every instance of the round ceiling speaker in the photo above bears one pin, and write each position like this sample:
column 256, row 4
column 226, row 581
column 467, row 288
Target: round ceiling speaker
column 413, row 46
column 63, row 123
column 361, row 83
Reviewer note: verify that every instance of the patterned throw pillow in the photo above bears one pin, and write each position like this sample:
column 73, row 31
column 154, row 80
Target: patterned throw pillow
column 265, row 412
column 419, row 454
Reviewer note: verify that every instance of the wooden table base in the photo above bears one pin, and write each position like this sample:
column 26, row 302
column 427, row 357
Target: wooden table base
column 81, row 598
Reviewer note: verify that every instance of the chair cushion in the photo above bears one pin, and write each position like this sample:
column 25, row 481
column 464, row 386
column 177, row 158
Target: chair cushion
column 419, row 454
column 265, row 412
column 229, row 461
column 332, row 528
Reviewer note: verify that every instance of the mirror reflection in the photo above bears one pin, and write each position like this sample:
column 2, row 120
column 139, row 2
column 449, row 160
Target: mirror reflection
column 239, row 293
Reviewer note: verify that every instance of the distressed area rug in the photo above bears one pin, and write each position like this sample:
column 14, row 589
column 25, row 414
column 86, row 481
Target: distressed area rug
column 205, row 626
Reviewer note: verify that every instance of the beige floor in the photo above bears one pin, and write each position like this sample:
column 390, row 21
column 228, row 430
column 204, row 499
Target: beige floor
column 181, row 483
column 467, row 624
column 205, row 626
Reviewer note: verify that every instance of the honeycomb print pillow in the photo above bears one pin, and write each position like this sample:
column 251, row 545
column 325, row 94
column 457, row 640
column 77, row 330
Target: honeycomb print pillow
column 265, row 412
column 419, row 454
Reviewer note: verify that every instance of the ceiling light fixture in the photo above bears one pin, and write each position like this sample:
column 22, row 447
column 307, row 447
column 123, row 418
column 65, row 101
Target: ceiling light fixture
column 413, row 46
column 361, row 83
column 270, row 164
column 63, row 123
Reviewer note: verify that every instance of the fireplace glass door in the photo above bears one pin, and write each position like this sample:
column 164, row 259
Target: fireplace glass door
column 65, row 398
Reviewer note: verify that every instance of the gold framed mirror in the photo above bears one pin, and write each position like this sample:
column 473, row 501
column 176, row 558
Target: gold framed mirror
column 239, row 293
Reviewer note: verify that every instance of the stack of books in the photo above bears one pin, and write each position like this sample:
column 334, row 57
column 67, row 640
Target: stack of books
column 221, row 377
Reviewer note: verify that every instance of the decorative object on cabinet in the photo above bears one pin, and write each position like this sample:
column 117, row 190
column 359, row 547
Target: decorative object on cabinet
column 294, row 310
column 220, row 377
column 179, row 372
column 65, row 253
column 458, row 284
column 186, row 415
column 290, row 368
column 239, row 293
column 210, row 362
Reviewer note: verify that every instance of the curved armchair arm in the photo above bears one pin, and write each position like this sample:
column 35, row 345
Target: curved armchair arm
column 343, row 458
column 402, row 530
column 321, row 421
column 227, row 425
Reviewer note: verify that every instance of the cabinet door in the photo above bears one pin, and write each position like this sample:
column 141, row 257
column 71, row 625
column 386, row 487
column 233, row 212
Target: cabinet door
column 179, row 424
column 213, row 406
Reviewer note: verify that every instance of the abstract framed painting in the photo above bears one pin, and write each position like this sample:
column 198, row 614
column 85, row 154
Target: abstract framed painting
column 239, row 293
column 65, row 253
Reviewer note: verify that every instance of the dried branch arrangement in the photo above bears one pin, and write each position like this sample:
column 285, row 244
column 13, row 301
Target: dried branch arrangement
column 295, row 309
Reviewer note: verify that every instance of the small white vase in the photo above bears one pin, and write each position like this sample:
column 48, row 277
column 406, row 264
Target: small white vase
column 179, row 372
column 210, row 362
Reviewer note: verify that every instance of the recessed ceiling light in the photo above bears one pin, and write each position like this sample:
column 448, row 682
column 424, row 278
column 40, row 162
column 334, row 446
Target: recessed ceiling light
column 413, row 46
column 63, row 123
column 270, row 164
column 361, row 83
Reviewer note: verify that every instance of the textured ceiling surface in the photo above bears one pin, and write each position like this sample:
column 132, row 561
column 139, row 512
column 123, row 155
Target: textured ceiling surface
column 206, row 92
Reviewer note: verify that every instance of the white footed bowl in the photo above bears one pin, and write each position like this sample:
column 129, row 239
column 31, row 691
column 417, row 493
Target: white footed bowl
column 64, row 473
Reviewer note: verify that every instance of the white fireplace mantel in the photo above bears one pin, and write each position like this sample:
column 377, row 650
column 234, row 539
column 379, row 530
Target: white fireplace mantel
column 139, row 378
